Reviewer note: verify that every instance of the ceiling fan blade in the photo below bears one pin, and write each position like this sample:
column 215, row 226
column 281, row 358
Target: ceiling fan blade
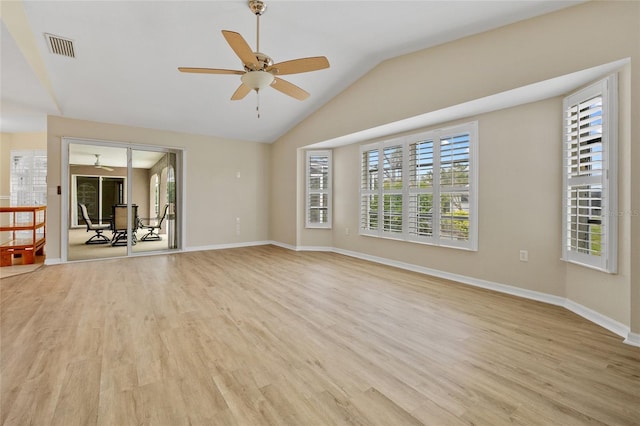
column 242, row 49
column 289, row 89
column 296, row 66
column 209, row 71
column 240, row 92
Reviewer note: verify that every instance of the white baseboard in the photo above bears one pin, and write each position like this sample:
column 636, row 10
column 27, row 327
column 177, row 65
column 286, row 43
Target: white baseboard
column 284, row 246
column 227, row 246
column 633, row 339
column 589, row 314
column 489, row 285
column 49, row 261
column 316, row 248
column 302, row 248
column 596, row 317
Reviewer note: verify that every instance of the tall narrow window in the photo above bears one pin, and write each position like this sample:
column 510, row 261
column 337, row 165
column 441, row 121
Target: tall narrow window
column 28, row 183
column 156, row 195
column 589, row 176
column 318, row 206
column 28, row 177
column 428, row 188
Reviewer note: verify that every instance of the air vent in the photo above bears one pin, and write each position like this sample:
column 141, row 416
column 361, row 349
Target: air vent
column 60, row 46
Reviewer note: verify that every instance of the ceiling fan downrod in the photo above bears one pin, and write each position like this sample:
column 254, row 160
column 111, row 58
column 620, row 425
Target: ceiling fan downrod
column 257, row 7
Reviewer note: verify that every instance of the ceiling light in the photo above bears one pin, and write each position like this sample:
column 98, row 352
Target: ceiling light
column 257, row 80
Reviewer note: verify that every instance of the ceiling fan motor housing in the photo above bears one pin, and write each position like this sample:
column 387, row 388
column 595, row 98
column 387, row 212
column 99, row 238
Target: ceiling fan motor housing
column 257, row 7
column 264, row 62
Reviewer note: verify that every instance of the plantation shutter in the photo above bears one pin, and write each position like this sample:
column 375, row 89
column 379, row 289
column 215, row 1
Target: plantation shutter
column 369, row 179
column 392, row 189
column 318, row 180
column 588, row 195
column 454, row 187
column 421, row 182
column 421, row 187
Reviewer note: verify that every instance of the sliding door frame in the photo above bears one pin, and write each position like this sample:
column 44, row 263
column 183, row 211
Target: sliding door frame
column 65, row 189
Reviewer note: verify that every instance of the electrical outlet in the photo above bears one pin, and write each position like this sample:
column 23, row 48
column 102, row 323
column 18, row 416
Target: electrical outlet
column 524, row 256
column 346, row 231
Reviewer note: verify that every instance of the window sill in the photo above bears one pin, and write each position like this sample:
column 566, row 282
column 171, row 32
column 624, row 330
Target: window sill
column 424, row 243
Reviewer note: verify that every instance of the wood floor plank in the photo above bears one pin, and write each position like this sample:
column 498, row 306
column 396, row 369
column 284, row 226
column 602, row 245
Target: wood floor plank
column 263, row 335
column 79, row 397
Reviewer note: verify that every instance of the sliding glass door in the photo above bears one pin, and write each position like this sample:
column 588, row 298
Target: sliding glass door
column 123, row 200
column 155, row 195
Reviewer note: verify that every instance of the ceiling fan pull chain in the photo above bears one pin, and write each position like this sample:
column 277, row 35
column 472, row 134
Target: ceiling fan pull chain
column 258, row 103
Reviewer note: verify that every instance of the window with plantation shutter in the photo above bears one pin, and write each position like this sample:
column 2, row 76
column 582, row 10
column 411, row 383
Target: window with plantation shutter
column 427, row 190
column 392, row 195
column 589, row 176
column 369, row 191
column 454, row 187
column 421, row 183
column 318, row 194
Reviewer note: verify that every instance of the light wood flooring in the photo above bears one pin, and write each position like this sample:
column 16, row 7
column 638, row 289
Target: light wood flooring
column 263, row 335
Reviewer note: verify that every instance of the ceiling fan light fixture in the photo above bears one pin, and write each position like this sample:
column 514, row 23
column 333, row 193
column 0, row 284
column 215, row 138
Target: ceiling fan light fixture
column 257, row 80
column 259, row 69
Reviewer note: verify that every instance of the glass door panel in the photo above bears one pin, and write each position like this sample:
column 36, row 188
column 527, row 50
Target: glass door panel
column 155, row 195
column 98, row 177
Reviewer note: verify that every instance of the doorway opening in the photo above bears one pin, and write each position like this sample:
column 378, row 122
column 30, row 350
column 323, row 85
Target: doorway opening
column 128, row 194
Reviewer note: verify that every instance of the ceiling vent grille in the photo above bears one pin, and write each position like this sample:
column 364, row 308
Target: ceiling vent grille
column 60, row 46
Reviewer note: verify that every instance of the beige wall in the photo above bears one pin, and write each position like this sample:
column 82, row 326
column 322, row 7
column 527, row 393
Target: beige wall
column 215, row 195
column 519, row 197
column 467, row 69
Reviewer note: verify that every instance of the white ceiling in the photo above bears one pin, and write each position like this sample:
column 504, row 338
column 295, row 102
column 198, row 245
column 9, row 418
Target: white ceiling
column 127, row 54
column 81, row 154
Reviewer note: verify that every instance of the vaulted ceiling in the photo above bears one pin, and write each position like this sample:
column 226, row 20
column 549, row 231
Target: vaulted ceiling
column 127, row 54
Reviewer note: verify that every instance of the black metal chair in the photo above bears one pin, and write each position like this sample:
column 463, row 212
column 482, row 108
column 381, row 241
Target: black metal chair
column 98, row 228
column 152, row 225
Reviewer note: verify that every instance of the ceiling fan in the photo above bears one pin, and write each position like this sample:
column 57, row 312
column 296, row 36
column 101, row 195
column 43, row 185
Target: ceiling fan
column 259, row 69
column 97, row 165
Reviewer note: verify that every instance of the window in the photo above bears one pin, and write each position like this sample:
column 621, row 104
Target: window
column 589, row 176
column 156, row 194
column 392, row 190
column 28, row 183
column 28, row 177
column 422, row 187
column 318, row 206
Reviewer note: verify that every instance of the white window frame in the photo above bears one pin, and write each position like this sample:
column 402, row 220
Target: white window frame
column 607, row 260
column 309, row 192
column 406, row 142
